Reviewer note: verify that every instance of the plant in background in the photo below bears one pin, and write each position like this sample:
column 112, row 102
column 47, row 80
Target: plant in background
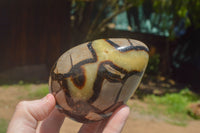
column 153, row 65
column 3, row 125
column 173, row 105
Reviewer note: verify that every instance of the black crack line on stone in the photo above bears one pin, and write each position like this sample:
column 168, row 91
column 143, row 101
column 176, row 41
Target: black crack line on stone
column 72, row 115
column 124, row 80
column 126, row 48
column 112, row 107
column 86, row 61
column 119, row 92
column 77, row 75
column 61, row 77
column 118, row 68
column 147, row 49
column 65, row 88
column 78, row 117
column 71, row 60
column 103, row 74
column 130, row 42
column 74, row 105
column 58, row 76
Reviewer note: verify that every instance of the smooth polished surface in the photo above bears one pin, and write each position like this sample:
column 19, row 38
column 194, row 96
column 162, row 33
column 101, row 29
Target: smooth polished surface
column 91, row 80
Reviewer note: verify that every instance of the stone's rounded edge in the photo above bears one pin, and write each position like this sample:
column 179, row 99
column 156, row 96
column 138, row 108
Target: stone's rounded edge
column 139, row 43
column 71, row 57
column 123, row 42
column 78, row 118
column 83, row 119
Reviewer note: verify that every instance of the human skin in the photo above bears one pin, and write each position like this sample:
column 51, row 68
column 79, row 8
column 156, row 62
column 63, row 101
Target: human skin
column 41, row 116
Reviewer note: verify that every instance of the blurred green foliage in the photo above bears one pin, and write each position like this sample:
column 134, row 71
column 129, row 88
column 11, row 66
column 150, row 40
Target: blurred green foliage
column 153, row 65
column 156, row 17
column 186, row 9
column 173, row 105
column 185, row 12
column 39, row 93
column 3, row 125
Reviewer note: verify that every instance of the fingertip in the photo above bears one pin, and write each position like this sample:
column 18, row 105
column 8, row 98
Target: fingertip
column 123, row 108
column 49, row 103
column 40, row 109
column 28, row 113
column 118, row 119
column 50, row 99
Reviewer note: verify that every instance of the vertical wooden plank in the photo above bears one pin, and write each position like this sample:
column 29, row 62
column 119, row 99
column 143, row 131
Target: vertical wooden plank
column 37, row 32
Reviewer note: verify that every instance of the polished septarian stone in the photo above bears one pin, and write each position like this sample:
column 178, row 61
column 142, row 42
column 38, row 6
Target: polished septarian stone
column 92, row 79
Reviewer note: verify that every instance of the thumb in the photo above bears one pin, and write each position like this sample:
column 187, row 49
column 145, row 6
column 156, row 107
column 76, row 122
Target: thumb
column 28, row 113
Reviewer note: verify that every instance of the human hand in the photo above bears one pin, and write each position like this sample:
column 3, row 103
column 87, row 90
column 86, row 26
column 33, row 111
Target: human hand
column 36, row 116
column 40, row 116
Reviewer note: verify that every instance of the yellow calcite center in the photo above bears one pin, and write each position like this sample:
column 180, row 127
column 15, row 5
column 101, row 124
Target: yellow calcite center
column 133, row 60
